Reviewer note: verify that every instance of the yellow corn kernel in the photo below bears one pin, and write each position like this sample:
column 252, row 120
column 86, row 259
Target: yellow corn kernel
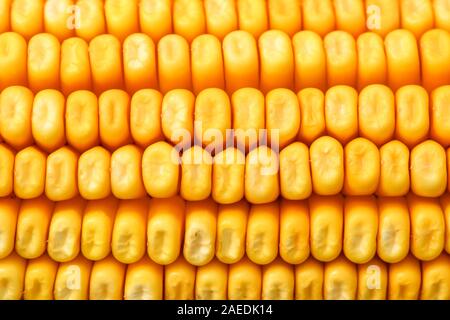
column 155, row 18
column 427, row 227
column 248, row 116
column 212, row 118
column 107, row 280
column 360, row 228
column 276, row 60
column 340, row 280
column 252, row 16
column 64, row 236
column 416, row 16
column 228, row 176
column 341, row 113
column 318, row 16
column 12, row 275
column 412, row 115
column 309, row 61
column 295, row 173
column 94, row 173
column 327, row 165
column 114, row 119
column 126, row 173
column 161, row 170
column 165, row 229
column 278, row 281
column 207, row 63
column 44, row 51
column 81, row 119
column 404, row 279
column 244, row 280
column 312, row 115
column 145, row 117
column 29, row 173
column 341, row 57
column 445, row 204
column 33, row 224
column 7, row 170
column 440, row 116
column 5, row 6
column 403, row 61
column 196, row 174
column 188, row 18
column 441, row 14
column 261, row 176
column 97, row 228
column 16, row 104
column 362, row 167
column 27, row 17
column 144, row 281
column 282, row 117
column 309, row 280
column 13, row 60
column 179, row 280
column 394, row 169
column 294, row 231
column 428, row 169
column 435, row 58
column 231, row 231
column 121, row 17
column 211, row 281
column 285, row 15
column 383, row 16
column 393, row 229
column 372, row 280
column 240, row 58
column 61, row 175
column 47, row 120
column 105, row 55
column 40, row 278
column 177, row 116
column 263, row 232
column 174, row 65
column 72, row 279
column 376, row 114
column 129, row 232
column 372, row 68
column 200, row 232
column 9, row 208
column 327, row 225
column 57, row 13
column 221, row 17
column 350, row 16
column 91, row 19
column 435, row 279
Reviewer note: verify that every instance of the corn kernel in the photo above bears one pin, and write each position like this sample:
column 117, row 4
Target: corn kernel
column 9, row 208
column 5, row 6
column 341, row 57
column 144, row 281
column 383, row 16
column 416, row 16
column 309, row 280
column 294, row 231
column 263, row 233
column 27, row 17
column 40, row 278
column 435, row 279
column 285, row 15
column 13, row 60
column 312, row 115
column 97, row 228
column 155, row 18
column 179, row 280
column 445, row 204
column 372, row 280
column 394, row 169
column 57, row 13
column 29, row 173
column 211, row 281
column 165, row 229
column 278, row 281
column 435, row 58
column 340, row 280
column 318, row 16
column 189, row 18
column 107, row 280
column 252, row 16
column 440, row 116
column 327, row 225
column 244, row 280
column 7, row 170
column 129, row 232
column 196, row 174
column 200, row 232
column 221, row 17
column 90, row 21
column 121, row 17
column 372, row 68
column 72, row 279
column 404, row 279
column 231, row 231
column 94, row 180
column 441, row 14
column 12, row 275
column 350, row 16
column 33, row 224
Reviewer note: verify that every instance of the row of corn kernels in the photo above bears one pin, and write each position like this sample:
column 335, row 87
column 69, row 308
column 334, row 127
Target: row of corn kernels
column 115, row 119
column 191, row 18
column 108, row 279
column 326, row 168
column 274, row 61
column 324, row 227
